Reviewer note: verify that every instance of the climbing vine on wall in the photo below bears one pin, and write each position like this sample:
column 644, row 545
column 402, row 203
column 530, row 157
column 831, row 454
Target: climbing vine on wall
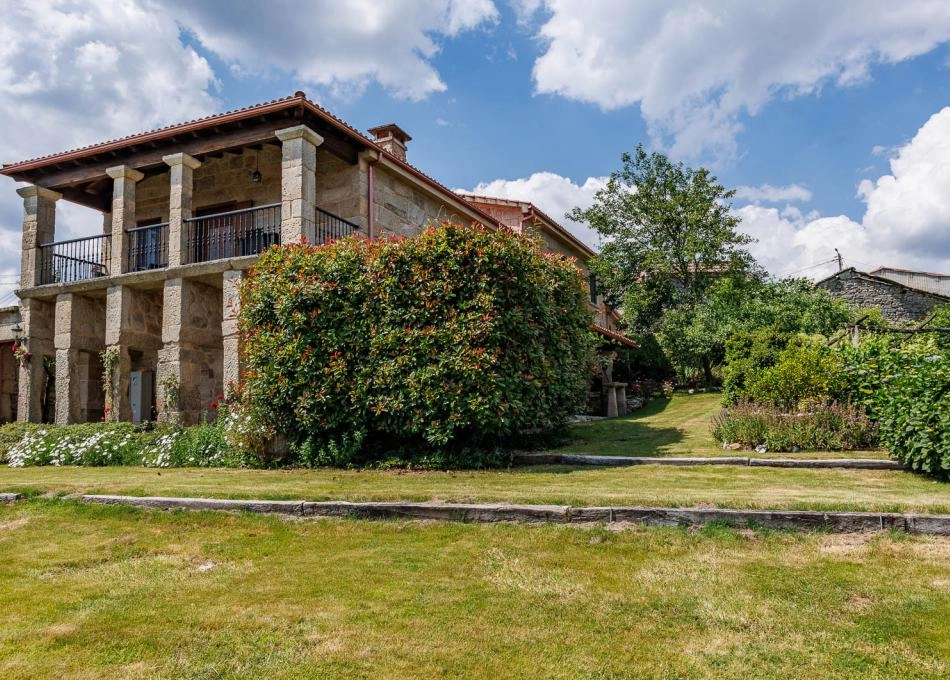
column 110, row 362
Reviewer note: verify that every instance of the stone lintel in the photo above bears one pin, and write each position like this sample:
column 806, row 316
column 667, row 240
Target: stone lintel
column 125, row 172
column 174, row 159
column 35, row 191
column 297, row 132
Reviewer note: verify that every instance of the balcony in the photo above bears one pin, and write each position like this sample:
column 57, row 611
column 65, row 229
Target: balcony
column 237, row 233
column 231, row 234
column 148, row 247
column 75, row 260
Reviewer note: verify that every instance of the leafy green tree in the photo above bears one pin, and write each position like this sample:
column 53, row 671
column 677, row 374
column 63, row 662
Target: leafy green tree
column 669, row 234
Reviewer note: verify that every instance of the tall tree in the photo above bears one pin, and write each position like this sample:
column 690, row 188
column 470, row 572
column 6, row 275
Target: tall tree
column 669, row 233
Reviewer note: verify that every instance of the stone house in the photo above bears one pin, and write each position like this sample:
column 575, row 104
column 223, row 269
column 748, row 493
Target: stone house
column 897, row 297
column 186, row 210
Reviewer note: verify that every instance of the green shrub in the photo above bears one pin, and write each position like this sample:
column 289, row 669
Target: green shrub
column 747, row 354
column 806, row 370
column 435, row 348
column 906, row 388
column 828, row 426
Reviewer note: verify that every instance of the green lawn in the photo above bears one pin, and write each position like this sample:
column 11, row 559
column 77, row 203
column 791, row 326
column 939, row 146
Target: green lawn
column 672, row 427
column 92, row 592
column 731, row 487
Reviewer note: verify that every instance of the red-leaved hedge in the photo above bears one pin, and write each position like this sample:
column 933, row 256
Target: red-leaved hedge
column 430, row 350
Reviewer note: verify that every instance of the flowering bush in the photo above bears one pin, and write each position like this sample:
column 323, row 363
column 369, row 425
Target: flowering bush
column 827, row 426
column 92, row 445
column 433, row 349
column 99, row 444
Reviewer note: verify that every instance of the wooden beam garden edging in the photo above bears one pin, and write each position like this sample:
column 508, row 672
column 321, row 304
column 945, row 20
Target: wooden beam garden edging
column 621, row 461
column 801, row 520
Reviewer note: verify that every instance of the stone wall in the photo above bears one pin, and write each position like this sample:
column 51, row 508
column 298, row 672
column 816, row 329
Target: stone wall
column 402, row 209
column 341, row 187
column 9, row 379
column 218, row 180
column 898, row 304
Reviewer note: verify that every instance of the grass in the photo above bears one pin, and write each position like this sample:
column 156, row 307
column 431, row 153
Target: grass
column 672, row 427
column 732, row 487
column 92, row 592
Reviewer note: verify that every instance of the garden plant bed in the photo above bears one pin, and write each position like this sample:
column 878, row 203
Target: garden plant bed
column 679, row 427
column 97, row 591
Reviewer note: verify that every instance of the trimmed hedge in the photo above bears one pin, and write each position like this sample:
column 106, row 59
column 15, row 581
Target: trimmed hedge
column 432, row 350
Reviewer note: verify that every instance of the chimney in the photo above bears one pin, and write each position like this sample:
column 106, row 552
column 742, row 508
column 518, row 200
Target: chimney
column 392, row 138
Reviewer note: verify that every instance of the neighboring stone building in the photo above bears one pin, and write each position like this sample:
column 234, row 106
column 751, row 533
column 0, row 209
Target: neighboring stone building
column 186, row 211
column 898, row 301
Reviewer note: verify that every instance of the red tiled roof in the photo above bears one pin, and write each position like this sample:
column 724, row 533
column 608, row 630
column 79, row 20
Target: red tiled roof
column 533, row 208
column 614, row 335
column 297, row 99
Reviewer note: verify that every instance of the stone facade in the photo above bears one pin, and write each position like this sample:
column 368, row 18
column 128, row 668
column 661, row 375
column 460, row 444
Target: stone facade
column 898, row 303
column 404, row 209
column 174, row 320
column 217, row 181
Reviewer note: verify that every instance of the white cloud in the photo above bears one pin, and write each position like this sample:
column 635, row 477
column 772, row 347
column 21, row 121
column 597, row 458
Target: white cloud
column 768, row 194
column 340, row 46
column 906, row 222
column 553, row 194
column 79, row 72
column 695, row 67
column 86, row 73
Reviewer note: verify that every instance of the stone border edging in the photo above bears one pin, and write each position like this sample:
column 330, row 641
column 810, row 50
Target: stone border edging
column 9, row 497
column 624, row 461
column 840, row 522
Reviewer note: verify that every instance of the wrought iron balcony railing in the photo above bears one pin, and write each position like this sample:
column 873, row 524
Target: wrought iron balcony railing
column 231, row 234
column 148, row 247
column 74, row 260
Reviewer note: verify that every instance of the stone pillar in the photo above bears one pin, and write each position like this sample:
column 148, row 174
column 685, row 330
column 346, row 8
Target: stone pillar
column 298, row 183
column 231, row 340
column 181, row 184
column 622, row 399
column 67, row 363
column 123, row 215
column 39, row 227
column 612, row 410
column 118, row 303
column 37, row 321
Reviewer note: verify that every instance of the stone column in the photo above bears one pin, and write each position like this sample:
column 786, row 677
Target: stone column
column 191, row 325
column 612, row 410
column 37, row 320
column 67, row 363
column 298, row 183
column 118, row 303
column 170, row 377
column 181, row 186
column 39, row 227
column 229, row 330
column 123, row 215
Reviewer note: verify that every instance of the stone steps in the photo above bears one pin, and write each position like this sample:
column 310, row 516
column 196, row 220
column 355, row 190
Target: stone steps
column 802, row 520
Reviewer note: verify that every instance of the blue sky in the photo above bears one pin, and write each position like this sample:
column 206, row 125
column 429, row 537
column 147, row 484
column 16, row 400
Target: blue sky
column 831, row 119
